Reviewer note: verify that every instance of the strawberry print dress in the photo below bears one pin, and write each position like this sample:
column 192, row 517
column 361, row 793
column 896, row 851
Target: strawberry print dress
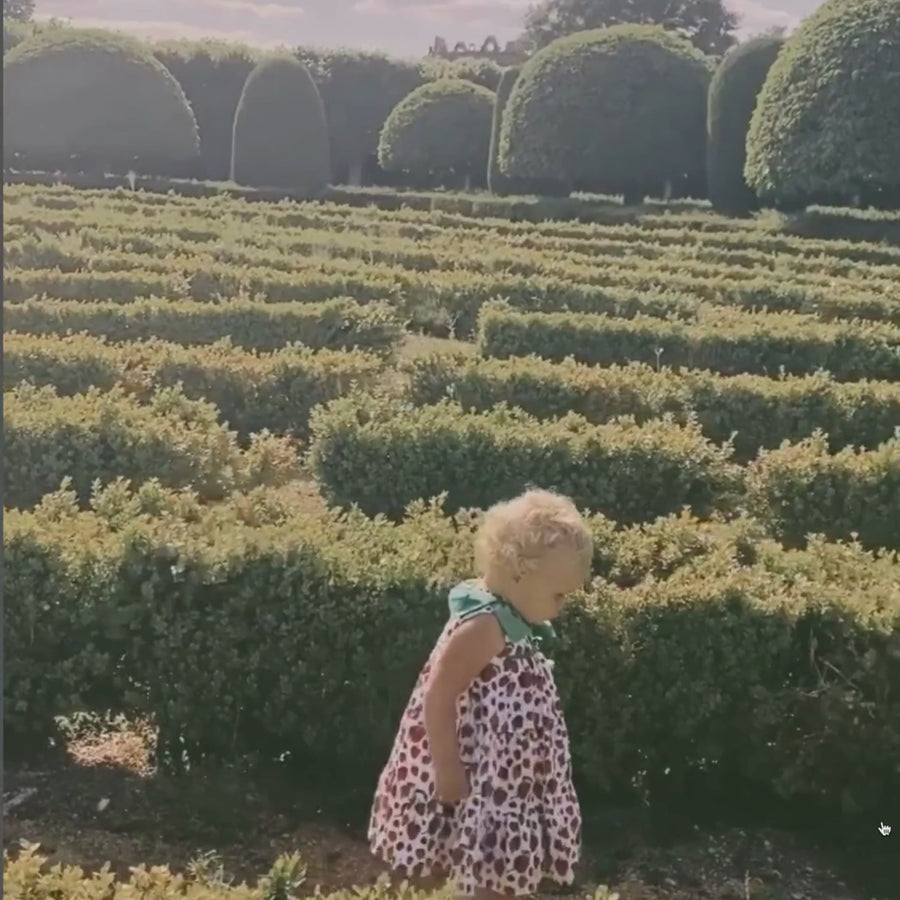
column 520, row 822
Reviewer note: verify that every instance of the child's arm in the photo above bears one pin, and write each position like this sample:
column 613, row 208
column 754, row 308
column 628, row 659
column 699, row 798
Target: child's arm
column 471, row 647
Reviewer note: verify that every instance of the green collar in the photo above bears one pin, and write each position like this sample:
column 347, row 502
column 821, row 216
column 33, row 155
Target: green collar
column 467, row 598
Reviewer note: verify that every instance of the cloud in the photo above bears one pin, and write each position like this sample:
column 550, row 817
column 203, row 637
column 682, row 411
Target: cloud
column 405, row 27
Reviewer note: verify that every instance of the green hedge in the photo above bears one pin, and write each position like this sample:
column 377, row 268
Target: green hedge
column 760, row 412
column 441, row 131
column 826, row 124
column 803, row 488
column 781, row 667
column 497, row 182
column 212, row 75
column 104, row 435
column 337, row 324
column 90, row 100
column 382, row 453
column 251, row 391
column 732, row 98
column 280, row 132
column 728, row 342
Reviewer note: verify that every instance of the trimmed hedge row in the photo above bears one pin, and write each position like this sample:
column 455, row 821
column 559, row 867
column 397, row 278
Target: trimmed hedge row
column 727, row 341
column 766, row 661
column 337, row 324
column 758, row 412
column 816, row 222
column 102, row 435
column 803, row 488
column 252, row 392
column 382, row 453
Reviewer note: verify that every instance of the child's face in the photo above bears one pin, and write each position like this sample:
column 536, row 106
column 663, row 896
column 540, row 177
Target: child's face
column 541, row 594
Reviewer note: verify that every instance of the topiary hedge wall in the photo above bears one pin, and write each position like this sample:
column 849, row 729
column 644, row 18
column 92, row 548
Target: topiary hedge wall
column 280, row 133
column 212, row 75
column 732, row 99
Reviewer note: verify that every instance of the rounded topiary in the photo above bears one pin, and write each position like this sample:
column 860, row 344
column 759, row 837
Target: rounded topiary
column 619, row 109
column 498, row 183
column 212, row 75
column 83, row 99
column 826, row 127
column 280, row 133
column 358, row 89
column 441, row 129
column 732, row 99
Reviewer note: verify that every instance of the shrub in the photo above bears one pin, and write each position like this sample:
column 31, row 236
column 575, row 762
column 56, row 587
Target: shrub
column 827, row 123
column 733, row 343
column 358, row 89
column 484, row 72
column 89, row 99
column 104, row 435
column 711, row 646
column 212, row 76
column 755, row 410
column 615, row 110
column 440, row 130
column 280, row 134
column 251, row 391
column 802, row 489
column 732, row 98
column 335, row 324
column 382, row 454
column 497, row 182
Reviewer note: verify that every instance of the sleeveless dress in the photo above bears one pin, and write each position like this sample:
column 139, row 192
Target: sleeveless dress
column 520, row 822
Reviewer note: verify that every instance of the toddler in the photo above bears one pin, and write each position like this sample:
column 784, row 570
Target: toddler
column 478, row 786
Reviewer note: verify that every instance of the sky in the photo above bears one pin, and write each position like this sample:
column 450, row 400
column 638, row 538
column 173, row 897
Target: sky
column 401, row 27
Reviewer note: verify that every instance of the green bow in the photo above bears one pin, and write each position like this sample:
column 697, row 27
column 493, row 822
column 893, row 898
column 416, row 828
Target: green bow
column 467, row 598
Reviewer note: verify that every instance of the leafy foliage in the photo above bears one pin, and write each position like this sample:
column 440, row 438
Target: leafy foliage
column 88, row 99
column 731, row 343
column 732, row 99
column 381, row 454
column 440, row 129
column 99, row 435
column 250, row 391
column 359, row 89
column 827, row 123
column 212, row 76
column 708, row 24
column 496, row 181
column 752, row 411
column 280, row 133
column 617, row 110
column 710, row 641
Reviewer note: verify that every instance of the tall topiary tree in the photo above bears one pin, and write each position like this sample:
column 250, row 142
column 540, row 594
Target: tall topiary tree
column 212, row 75
column 498, row 183
column 732, row 99
column 826, row 126
column 280, row 133
column 90, row 100
column 618, row 110
column 358, row 90
column 439, row 131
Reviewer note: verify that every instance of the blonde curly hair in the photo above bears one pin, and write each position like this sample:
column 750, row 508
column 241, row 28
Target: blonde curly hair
column 515, row 534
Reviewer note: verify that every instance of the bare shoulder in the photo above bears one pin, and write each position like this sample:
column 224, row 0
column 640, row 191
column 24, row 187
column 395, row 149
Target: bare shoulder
column 480, row 636
column 467, row 651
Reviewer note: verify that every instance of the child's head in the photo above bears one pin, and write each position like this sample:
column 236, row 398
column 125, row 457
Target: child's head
column 534, row 550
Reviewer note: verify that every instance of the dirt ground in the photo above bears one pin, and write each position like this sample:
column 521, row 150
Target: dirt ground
column 101, row 802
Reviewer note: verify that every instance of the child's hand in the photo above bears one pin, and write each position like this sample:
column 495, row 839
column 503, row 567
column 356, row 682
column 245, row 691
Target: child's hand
column 451, row 783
